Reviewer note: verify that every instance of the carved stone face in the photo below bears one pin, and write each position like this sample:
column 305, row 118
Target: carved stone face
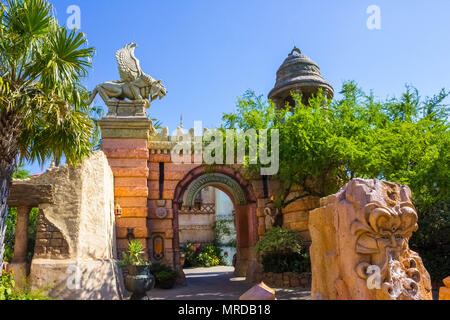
column 360, row 245
column 382, row 234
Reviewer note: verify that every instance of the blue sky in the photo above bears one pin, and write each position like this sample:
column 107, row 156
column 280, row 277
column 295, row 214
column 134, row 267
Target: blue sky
column 210, row 52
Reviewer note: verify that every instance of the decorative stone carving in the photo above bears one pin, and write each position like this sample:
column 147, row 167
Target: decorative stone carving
column 360, row 245
column 161, row 212
column 134, row 85
column 214, row 179
column 158, row 247
column 269, row 218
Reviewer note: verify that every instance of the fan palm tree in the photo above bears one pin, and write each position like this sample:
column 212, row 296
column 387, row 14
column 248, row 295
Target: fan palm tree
column 43, row 109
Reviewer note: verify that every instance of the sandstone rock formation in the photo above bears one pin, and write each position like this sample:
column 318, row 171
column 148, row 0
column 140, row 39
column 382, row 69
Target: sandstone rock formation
column 75, row 242
column 360, row 245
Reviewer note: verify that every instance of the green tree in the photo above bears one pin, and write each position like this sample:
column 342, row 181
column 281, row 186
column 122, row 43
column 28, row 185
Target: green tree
column 43, row 109
column 324, row 144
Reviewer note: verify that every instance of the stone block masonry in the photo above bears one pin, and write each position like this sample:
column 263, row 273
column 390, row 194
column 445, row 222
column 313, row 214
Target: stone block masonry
column 125, row 143
column 50, row 242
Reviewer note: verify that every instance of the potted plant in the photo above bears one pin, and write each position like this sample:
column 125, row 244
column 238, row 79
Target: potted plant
column 166, row 279
column 139, row 279
column 165, row 276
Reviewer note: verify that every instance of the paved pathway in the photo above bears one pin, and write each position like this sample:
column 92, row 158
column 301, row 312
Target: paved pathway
column 217, row 283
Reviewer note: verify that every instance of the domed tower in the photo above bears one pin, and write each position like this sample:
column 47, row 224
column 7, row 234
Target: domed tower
column 298, row 74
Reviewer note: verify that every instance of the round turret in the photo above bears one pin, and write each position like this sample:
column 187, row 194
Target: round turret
column 298, row 74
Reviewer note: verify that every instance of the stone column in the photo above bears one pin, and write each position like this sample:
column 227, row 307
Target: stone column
column 125, row 143
column 19, row 261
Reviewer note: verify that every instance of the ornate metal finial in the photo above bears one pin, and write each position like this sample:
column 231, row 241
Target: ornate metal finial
column 181, row 121
column 295, row 50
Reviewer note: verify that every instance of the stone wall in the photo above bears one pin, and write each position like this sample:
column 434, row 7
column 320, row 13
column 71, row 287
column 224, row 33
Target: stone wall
column 128, row 161
column 124, row 142
column 50, row 242
column 76, row 234
column 287, row 279
column 296, row 216
column 162, row 201
column 197, row 228
column 197, row 224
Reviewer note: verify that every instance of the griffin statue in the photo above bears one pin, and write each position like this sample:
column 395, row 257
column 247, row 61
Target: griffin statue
column 134, row 84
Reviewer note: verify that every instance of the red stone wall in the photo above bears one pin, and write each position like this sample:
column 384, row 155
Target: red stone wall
column 128, row 160
column 173, row 174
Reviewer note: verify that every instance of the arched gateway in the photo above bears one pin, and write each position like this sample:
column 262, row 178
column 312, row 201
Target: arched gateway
column 150, row 187
column 239, row 191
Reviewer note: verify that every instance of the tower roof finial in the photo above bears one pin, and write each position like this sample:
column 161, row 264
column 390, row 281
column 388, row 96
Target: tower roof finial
column 295, row 50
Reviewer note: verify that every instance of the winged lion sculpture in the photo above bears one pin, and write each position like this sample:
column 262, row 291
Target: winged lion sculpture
column 134, row 84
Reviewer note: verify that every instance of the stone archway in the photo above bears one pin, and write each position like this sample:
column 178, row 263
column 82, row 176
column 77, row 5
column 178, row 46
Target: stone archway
column 218, row 180
column 231, row 183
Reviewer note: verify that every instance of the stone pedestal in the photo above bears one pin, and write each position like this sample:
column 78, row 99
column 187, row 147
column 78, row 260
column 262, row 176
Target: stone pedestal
column 125, row 143
column 127, row 108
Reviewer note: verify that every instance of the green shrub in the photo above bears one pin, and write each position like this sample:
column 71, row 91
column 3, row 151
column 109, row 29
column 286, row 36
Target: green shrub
column 223, row 230
column 158, row 267
column 280, row 240
column 162, row 273
column 165, row 275
column 282, row 251
column 7, row 285
column 198, row 255
column 8, row 290
column 281, row 262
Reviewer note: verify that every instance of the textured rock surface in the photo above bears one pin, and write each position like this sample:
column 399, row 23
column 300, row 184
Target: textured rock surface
column 361, row 230
column 76, row 234
column 444, row 292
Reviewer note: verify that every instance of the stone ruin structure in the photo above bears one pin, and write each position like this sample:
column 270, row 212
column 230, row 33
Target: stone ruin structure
column 75, row 249
column 360, row 246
